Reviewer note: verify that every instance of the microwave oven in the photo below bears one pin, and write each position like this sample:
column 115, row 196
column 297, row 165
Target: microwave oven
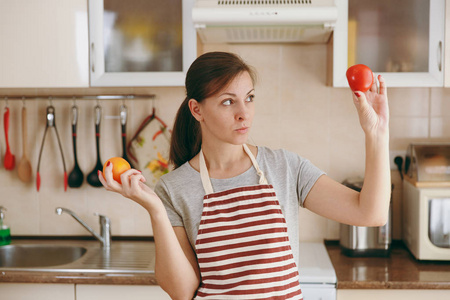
column 426, row 220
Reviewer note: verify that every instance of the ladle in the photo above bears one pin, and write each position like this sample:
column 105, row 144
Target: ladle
column 92, row 178
column 123, row 123
column 76, row 175
column 24, row 166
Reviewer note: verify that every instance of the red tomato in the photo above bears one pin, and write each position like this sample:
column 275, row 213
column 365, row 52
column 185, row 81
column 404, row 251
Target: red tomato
column 360, row 78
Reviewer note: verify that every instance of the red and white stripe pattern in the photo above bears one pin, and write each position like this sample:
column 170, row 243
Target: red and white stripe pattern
column 243, row 248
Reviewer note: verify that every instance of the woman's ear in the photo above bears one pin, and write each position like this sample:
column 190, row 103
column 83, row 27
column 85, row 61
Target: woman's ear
column 194, row 107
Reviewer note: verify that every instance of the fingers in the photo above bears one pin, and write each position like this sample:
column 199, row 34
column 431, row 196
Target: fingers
column 107, row 180
column 135, row 180
column 127, row 175
column 360, row 100
column 358, row 96
column 383, row 88
column 131, row 184
column 130, row 176
column 101, row 178
column 373, row 87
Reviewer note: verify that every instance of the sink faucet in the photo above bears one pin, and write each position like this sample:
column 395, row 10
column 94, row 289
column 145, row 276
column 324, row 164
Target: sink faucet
column 105, row 226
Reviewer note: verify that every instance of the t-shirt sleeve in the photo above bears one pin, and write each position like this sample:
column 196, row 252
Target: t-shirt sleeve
column 306, row 174
column 307, row 177
column 163, row 193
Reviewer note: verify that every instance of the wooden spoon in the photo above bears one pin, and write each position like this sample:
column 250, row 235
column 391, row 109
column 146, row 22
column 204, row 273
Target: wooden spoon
column 24, row 166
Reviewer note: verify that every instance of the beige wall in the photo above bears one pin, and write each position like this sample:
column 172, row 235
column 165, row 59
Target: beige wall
column 295, row 111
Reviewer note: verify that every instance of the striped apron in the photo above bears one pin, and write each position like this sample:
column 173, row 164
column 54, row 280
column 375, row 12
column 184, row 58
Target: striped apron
column 242, row 245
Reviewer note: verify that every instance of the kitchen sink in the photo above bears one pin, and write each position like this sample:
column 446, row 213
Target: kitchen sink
column 32, row 256
column 65, row 255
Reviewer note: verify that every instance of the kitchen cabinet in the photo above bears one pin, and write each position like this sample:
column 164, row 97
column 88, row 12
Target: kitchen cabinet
column 44, row 44
column 141, row 43
column 447, row 43
column 37, row 291
column 401, row 40
column 388, row 294
column 45, row 291
column 120, row 292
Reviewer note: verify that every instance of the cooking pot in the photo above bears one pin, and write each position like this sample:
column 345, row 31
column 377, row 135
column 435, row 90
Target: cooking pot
column 365, row 241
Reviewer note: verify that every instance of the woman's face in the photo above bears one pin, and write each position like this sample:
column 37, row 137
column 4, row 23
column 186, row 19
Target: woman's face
column 228, row 115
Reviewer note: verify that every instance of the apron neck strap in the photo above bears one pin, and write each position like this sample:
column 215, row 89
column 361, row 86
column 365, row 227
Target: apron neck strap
column 204, row 174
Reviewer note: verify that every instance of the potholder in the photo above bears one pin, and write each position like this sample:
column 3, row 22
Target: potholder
column 149, row 149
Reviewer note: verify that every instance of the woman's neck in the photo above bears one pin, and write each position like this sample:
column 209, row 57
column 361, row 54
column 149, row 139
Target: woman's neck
column 223, row 157
column 224, row 161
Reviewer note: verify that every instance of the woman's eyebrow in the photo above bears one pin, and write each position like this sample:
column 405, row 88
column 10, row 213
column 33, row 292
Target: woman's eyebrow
column 233, row 94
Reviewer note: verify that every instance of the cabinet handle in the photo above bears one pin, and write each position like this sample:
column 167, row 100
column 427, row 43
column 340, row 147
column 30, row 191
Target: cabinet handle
column 440, row 56
column 93, row 58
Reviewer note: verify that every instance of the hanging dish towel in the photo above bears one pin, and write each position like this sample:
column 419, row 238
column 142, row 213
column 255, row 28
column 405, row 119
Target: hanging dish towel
column 148, row 150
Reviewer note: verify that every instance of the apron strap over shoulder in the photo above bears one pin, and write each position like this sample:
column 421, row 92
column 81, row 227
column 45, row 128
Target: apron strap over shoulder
column 204, row 175
column 262, row 178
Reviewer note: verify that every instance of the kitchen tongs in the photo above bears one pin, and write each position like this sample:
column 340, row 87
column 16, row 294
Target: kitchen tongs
column 50, row 123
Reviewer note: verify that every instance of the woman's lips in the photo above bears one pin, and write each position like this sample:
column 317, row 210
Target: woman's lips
column 242, row 130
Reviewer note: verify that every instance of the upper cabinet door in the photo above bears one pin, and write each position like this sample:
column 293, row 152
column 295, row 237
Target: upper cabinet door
column 402, row 40
column 44, row 44
column 447, row 42
column 141, row 43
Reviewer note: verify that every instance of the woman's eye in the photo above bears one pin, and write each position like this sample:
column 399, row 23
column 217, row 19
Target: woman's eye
column 227, row 102
column 250, row 98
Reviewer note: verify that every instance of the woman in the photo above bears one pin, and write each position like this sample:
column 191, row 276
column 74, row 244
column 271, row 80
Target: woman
column 225, row 220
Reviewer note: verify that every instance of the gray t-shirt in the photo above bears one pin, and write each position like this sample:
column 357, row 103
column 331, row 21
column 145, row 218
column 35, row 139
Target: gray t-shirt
column 292, row 177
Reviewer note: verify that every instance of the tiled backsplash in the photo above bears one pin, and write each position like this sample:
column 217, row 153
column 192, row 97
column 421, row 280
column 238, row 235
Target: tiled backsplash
column 295, row 111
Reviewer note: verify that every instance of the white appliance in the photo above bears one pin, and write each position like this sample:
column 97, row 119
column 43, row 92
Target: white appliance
column 259, row 21
column 426, row 201
column 426, row 221
column 317, row 276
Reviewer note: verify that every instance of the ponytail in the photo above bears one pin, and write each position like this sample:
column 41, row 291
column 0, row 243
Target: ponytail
column 186, row 137
column 207, row 75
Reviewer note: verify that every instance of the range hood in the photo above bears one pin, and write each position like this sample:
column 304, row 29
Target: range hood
column 264, row 21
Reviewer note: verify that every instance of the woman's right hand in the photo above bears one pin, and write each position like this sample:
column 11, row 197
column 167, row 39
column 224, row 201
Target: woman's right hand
column 133, row 187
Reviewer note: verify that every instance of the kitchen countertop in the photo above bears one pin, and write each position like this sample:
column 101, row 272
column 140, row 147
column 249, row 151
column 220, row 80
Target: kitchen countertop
column 398, row 271
column 76, row 278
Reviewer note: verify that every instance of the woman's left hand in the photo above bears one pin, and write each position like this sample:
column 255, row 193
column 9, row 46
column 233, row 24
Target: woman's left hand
column 372, row 107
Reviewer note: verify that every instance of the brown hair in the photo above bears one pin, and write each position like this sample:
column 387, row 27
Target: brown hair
column 208, row 75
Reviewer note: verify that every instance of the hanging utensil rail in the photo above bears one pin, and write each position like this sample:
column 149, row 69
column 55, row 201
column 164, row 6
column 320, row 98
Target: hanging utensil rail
column 82, row 97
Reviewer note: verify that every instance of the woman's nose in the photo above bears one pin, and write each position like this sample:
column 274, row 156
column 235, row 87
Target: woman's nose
column 242, row 112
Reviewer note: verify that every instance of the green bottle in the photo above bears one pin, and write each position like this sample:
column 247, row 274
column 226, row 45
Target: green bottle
column 5, row 233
